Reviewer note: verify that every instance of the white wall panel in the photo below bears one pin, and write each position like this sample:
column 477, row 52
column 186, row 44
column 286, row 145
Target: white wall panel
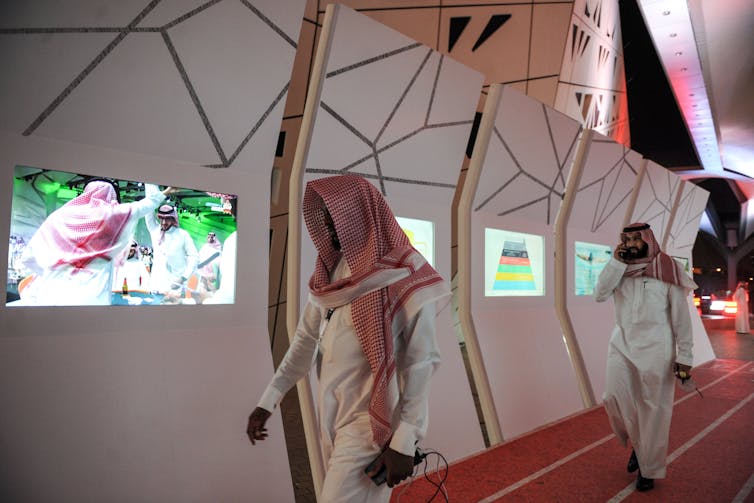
column 655, row 199
column 399, row 114
column 681, row 241
column 597, row 217
column 520, row 189
column 138, row 403
column 152, row 401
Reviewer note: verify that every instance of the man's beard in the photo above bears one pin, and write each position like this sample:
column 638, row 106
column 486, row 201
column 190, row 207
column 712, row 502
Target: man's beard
column 636, row 253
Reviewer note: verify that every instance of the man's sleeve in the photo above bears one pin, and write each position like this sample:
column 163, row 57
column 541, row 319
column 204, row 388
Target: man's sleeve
column 143, row 207
column 192, row 256
column 297, row 360
column 609, row 279
column 681, row 325
column 416, row 364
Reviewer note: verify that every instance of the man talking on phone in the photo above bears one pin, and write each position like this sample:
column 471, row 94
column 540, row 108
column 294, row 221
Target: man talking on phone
column 650, row 343
column 370, row 321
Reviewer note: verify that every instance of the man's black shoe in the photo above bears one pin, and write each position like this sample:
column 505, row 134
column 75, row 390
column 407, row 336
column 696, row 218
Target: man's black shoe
column 644, row 484
column 633, row 463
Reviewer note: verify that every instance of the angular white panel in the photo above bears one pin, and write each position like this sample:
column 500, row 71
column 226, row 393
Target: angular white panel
column 254, row 77
column 533, row 143
column 135, row 101
column 609, row 175
column 655, row 198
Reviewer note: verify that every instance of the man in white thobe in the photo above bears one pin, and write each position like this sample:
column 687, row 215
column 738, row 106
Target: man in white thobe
column 370, row 316
column 174, row 255
column 742, row 308
column 651, row 340
column 75, row 251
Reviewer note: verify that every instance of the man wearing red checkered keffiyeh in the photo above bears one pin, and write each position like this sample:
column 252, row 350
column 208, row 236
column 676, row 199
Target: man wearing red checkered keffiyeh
column 651, row 341
column 75, row 250
column 371, row 313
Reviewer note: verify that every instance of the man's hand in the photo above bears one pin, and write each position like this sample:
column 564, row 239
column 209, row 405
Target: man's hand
column 619, row 250
column 255, row 429
column 682, row 371
column 398, row 466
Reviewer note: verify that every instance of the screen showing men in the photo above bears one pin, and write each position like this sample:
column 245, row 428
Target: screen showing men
column 79, row 239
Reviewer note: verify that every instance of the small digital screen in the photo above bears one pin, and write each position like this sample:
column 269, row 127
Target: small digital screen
column 589, row 259
column 84, row 240
column 421, row 234
column 513, row 264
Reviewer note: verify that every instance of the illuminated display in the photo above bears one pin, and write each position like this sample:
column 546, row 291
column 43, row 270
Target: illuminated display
column 82, row 240
column 421, row 233
column 513, row 264
column 589, row 259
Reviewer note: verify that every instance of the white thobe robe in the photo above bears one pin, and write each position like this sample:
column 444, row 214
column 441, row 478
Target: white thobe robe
column 652, row 332
column 345, row 387
column 742, row 311
column 173, row 258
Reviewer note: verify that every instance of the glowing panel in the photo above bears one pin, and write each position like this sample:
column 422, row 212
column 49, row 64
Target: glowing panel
column 513, row 264
column 590, row 259
column 421, row 233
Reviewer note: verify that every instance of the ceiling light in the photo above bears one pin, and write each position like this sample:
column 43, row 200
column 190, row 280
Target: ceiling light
column 679, row 53
column 666, row 13
column 684, row 69
column 673, row 35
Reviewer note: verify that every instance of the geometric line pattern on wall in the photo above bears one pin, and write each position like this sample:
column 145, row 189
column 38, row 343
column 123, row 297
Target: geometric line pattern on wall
column 608, row 200
column 133, row 28
column 685, row 227
column 550, row 191
column 657, row 208
column 373, row 143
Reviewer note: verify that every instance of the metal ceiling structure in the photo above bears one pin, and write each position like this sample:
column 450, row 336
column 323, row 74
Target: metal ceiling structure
column 690, row 79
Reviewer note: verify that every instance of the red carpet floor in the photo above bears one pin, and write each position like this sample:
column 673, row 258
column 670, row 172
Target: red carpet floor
column 710, row 457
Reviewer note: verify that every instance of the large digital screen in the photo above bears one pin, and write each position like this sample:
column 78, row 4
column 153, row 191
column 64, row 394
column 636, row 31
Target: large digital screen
column 82, row 240
column 590, row 259
column 513, row 264
column 421, row 233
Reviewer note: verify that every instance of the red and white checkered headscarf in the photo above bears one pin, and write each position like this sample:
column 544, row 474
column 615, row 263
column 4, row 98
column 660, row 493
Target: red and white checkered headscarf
column 656, row 264
column 389, row 279
column 87, row 227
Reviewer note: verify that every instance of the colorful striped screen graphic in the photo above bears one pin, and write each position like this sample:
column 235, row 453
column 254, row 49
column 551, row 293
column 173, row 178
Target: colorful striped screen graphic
column 513, row 264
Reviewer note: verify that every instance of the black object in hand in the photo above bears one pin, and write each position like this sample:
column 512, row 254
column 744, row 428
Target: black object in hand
column 381, row 476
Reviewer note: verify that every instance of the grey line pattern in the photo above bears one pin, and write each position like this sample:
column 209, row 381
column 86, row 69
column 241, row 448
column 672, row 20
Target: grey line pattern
column 163, row 30
column 91, row 66
column 386, row 178
column 189, row 14
column 346, row 124
column 269, row 23
column 379, row 57
column 374, row 146
column 403, row 96
column 254, row 129
column 194, row 97
column 434, row 90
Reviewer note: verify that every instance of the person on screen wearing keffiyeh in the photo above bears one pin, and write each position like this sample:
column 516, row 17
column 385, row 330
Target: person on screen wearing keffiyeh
column 174, row 255
column 370, row 313
column 651, row 341
column 74, row 252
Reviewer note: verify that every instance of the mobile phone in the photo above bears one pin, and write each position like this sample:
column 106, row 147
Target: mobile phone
column 381, row 477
